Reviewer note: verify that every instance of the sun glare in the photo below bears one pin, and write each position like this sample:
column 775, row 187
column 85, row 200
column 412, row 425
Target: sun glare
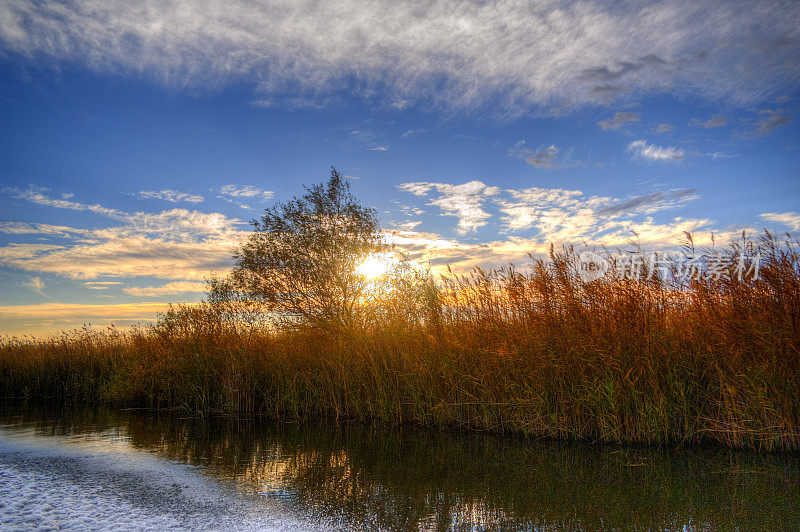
column 372, row 267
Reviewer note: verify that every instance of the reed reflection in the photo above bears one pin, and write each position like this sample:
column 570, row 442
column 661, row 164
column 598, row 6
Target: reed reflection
column 403, row 478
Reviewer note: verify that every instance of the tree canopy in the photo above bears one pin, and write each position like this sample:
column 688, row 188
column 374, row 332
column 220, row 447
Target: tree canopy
column 301, row 262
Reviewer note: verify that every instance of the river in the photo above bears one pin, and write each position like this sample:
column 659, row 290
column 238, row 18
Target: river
column 131, row 470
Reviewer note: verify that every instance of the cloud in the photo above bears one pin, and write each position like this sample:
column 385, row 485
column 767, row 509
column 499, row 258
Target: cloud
column 664, row 128
column 504, row 55
column 37, row 195
column 407, row 226
column 771, row 119
column 100, row 285
column 430, row 248
column 245, row 191
column 177, row 287
column 643, row 150
column 53, row 318
column 556, row 214
column 462, row 201
column 23, row 228
column 650, row 203
column 174, row 244
column 172, row 196
column 124, row 253
column 714, row 121
column 619, row 120
column 721, row 155
column 37, row 285
column 542, row 157
column 791, row 219
column 77, row 311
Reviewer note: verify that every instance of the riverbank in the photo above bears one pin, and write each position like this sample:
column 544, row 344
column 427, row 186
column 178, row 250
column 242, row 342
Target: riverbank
column 538, row 353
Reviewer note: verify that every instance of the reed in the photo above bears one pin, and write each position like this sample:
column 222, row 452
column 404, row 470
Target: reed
column 658, row 360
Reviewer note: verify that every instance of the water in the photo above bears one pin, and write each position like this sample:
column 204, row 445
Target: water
column 135, row 470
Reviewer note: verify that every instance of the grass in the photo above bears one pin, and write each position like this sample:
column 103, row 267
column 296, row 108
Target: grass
column 657, row 361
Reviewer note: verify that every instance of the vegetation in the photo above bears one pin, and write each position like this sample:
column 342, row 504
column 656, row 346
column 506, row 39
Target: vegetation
column 660, row 359
column 300, row 265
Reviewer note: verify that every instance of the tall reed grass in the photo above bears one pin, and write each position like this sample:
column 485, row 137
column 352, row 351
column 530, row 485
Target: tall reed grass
column 659, row 360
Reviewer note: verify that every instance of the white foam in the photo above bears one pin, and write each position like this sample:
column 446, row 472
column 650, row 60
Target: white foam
column 61, row 483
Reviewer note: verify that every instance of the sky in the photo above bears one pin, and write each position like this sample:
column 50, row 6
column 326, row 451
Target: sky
column 139, row 138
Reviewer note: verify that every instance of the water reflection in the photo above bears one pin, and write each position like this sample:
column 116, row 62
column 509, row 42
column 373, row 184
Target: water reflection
column 405, row 479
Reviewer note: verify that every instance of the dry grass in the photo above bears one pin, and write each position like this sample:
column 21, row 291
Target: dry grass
column 539, row 352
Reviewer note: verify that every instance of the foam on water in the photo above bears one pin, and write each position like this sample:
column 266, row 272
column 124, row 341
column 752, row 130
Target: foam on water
column 68, row 483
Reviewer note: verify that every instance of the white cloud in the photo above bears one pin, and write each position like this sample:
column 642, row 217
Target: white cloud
column 458, row 55
column 721, row 155
column 177, row 287
column 245, row 191
column 791, row 219
column 37, row 285
column 558, row 215
column 664, row 128
column 643, row 150
column 430, row 248
column 462, row 201
column 619, row 120
column 175, row 244
column 407, row 226
column 37, row 195
column 173, row 196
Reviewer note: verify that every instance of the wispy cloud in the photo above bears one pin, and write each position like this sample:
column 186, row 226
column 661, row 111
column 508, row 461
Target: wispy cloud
column 643, row 150
column 664, row 128
column 791, row 219
column 24, row 228
column 619, row 120
column 542, row 157
column 172, row 196
column 245, row 191
column 176, row 287
column 462, row 201
column 35, row 194
column 454, row 55
column 650, row 203
column 713, row 122
column 413, row 132
column 100, row 285
column 556, row 214
column 721, row 155
column 175, row 244
column 37, row 285
column 52, row 317
column 771, row 119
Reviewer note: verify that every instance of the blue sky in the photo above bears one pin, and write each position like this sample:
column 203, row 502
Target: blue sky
column 138, row 139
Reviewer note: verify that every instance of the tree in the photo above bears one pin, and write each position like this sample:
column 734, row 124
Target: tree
column 300, row 265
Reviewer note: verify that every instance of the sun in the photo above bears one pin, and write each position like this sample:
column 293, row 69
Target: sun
column 372, row 267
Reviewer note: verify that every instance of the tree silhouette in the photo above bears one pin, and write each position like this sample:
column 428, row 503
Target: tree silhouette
column 300, row 264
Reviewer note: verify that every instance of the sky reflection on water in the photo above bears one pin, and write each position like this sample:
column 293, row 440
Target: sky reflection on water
column 404, row 478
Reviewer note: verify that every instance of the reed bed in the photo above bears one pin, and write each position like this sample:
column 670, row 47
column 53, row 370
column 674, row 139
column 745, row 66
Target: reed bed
column 655, row 360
